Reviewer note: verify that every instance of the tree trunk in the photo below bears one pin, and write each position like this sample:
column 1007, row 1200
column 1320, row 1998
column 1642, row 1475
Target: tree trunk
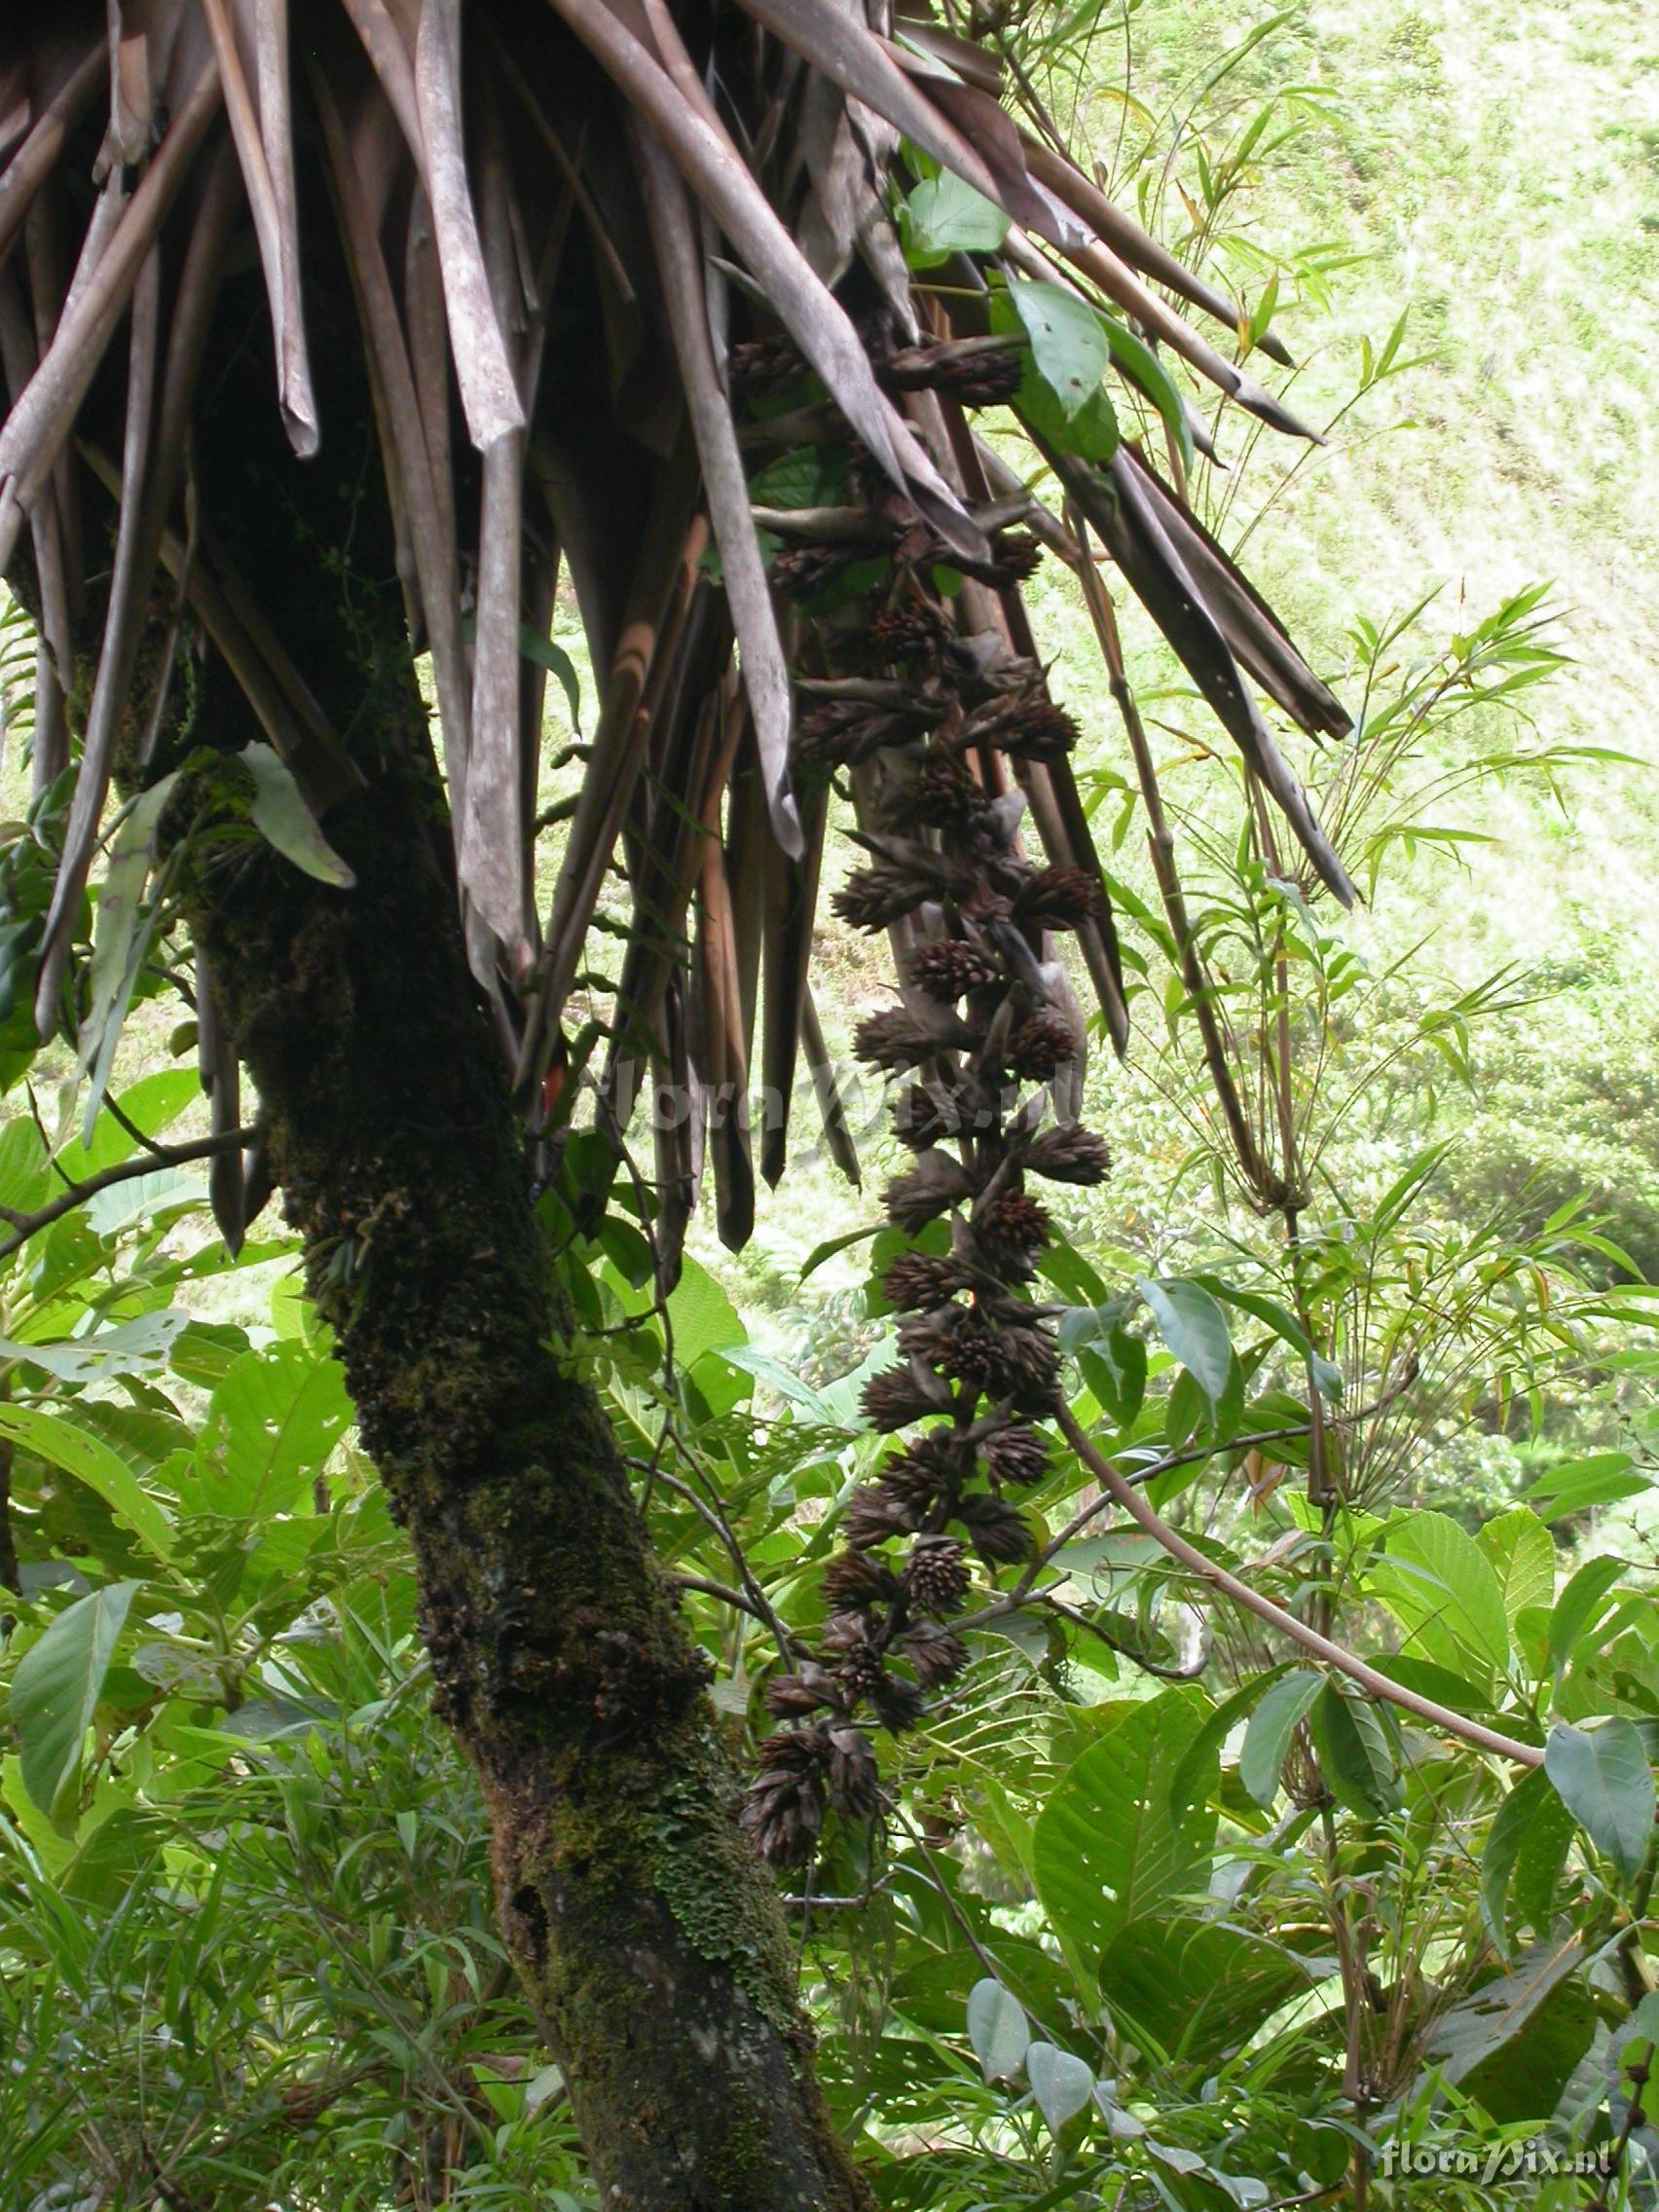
column 647, row 1936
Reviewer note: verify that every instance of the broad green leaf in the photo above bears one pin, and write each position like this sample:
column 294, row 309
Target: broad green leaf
column 24, row 1177
column 1531, row 1816
column 702, row 1316
column 1197, row 1989
column 1108, row 1846
column 1068, row 346
column 271, row 1425
column 1515, row 2042
column 782, row 1379
column 1272, row 1725
column 998, row 2029
column 1060, row 2084
column 1539, row 1864
column 1442, row 1590
column 1415, row 1673
column 1327, row 1376
column 56, row 1690
column 1194, row 1328
column 123, row 1205
column 283, row 820
column 1354, row 1751
column 1606, row 1783
column 806, row 476
column 139, row 1347
column 830, row 1246
column 63, row 1441
column 151, row 1105
column 545, row 2084
column 1090, row 433
column 943, row 216
column 1522, row 1553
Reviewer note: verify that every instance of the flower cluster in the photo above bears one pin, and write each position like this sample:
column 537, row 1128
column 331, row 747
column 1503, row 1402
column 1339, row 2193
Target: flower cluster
column 985, row 1048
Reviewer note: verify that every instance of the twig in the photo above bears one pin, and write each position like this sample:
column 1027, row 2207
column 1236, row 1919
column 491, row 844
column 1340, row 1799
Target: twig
column 26, row 1225
column 1369, row 1677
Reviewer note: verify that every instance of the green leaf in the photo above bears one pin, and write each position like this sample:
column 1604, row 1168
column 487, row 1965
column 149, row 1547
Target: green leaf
column 24, row 1177
column 702, row 1316
column 1532, row 1820
column 56, row 1690
column 1108, row 1846
column 1515, row 2042
column 1539, row 1863
column 830, row 1246
column 139, row 1347
column 1194, row 1328
column 1090, row 433
column 1442, row 1590
column 1197, row 1989
column 122, row 929
column 1272, row 1725
column 1060, row 2084
column 998, row 2029
column 943, row 216
column 1068, row 346
column 150, row 1104
column 806, row 476
column 1576, row 1486
column 1143, row 369
column 271, row 1425
column 553, row 657
column 1522, row 1558
column 1283, row 1322
column 1198, row 1763
column 1606, row 1784
column 1353, row 1751
column 63, row 1442
column 1413, row 1672
column 283, row 820
column 1579, row 1608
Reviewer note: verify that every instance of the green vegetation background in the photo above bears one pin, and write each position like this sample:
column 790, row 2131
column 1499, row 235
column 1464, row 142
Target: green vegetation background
column 1493, row 173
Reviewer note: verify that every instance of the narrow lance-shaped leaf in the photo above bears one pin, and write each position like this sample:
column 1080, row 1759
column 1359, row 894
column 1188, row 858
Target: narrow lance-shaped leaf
column 120, row 930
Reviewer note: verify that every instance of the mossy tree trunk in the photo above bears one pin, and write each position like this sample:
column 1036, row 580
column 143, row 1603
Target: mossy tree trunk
column 647, row 1936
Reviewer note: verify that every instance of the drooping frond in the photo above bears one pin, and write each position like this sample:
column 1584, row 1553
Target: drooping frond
column 610, row 263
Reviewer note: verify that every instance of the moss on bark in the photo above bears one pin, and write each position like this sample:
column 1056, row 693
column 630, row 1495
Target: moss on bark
column 647, row 1935
column 648, row 1939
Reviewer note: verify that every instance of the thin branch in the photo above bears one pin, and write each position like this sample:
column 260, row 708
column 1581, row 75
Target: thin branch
column 26, row 1225
column 1369, row 1677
